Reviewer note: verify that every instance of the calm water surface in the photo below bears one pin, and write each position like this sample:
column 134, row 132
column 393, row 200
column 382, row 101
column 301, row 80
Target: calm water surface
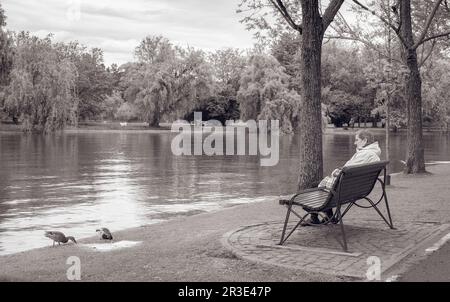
column 77, row 182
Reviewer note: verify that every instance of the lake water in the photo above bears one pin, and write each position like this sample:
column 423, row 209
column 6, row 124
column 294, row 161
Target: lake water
column 77, row 182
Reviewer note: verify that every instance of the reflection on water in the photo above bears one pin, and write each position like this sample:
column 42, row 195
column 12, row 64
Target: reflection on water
column 78, row 182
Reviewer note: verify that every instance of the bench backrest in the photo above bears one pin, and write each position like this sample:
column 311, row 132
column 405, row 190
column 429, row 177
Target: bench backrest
column 356, row 182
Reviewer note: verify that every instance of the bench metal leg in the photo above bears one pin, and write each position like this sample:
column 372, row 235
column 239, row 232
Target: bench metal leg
column 342, row 228
column 389, row 223
column 283, row 239
column 388, row 211
column 383, row 186
column 285, row 224
column 346, row 210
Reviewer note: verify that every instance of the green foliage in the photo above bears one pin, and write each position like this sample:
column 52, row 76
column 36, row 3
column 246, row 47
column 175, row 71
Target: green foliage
column 436, row 95
column 264, row 93
column 154, row 49
column 2, row 16
column 342, row 69
column 54, row 84
column 167, row 82
column 424, row 37
column 42, row 86
column 265, row 20
column 127, row 112
column 226, row 68
column 115, row 74
column 223, row 109
column 346, row 93
column 342, row 107
column 287, row 49
column 217, row 108
column 93, row 82
column 227, row 65
column 388, row 79
column 6, row 56
column 112, row 104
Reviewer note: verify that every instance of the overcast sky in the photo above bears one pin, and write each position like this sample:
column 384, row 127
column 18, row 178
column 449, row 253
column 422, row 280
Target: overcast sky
column 118, row 26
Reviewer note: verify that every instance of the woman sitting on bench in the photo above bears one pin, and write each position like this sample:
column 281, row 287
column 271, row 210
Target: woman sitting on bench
column 367, row 151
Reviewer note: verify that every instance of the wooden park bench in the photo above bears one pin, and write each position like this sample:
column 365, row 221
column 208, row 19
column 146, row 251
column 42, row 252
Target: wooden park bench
column 352, row 184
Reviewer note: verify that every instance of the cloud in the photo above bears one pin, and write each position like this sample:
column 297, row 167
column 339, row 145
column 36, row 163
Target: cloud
column 129, row 12
column 118, row 26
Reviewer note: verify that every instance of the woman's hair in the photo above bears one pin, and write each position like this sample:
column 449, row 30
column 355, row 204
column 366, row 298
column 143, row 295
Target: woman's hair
column 365, row 134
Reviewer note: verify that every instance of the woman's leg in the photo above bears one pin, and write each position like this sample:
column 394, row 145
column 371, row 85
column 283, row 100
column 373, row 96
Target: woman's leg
column 314, row 219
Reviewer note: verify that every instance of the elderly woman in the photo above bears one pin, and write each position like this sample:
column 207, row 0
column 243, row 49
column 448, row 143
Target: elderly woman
column 367, row 151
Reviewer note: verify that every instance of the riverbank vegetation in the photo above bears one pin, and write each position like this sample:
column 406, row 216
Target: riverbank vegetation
column 46, row 85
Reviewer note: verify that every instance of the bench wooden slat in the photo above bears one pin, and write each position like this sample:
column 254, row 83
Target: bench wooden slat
column 311, row 199
column 312, row 194
column 313, row 202
column 316, row 199
column 355, row 181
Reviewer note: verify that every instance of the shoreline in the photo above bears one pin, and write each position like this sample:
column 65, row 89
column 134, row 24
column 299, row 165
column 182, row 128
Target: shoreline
column 188, row 248
column 96, row 127
column 170, row 217
column 115, row 127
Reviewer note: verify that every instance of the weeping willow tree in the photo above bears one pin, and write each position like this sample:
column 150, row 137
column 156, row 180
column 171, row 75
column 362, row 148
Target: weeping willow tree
column 167, row 82
column 42, row 86
column 264, row 93
column 6, row 56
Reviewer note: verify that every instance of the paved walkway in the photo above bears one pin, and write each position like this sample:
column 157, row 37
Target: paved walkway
column 419, row 207
column 318, row 249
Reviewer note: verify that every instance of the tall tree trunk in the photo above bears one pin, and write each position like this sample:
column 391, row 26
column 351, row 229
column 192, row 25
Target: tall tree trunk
column 311, row 161
column 415, row 160
column 155, row 116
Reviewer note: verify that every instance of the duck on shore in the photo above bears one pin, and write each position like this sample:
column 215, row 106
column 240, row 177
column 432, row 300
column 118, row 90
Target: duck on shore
column 59, row 237
column 104, row 233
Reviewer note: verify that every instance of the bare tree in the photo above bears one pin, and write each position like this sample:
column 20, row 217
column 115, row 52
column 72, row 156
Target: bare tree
column 402, row 25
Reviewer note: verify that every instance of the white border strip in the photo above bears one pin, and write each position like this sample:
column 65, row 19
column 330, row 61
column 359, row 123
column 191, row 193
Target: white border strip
column 438, row 244
column 392, row 278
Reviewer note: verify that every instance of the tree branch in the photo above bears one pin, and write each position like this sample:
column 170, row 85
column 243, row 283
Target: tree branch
column 330, row 13
column 342, row 18
column 367, row 43
column 283, row 11
column 396, row 30
column 346, row 32
column 433, row 43
column 434, row 37
column 427, row 24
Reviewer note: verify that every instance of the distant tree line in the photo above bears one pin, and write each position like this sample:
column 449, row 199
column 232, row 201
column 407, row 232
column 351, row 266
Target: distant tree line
column 45, row 86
